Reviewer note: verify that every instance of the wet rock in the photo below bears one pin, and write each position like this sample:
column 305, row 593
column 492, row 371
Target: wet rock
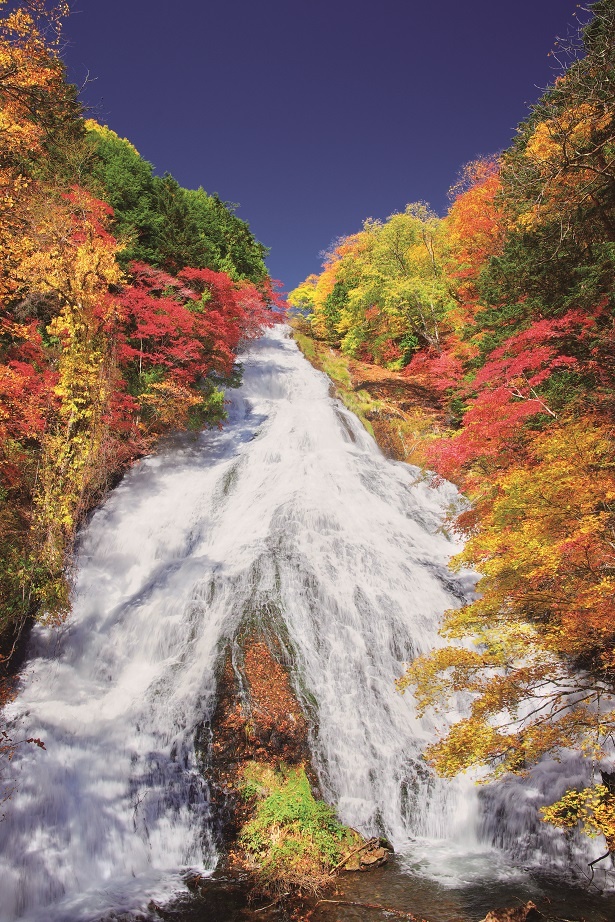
column 373, row 858
column 276, row 743
column 129, row 916
column 353, row 863
column 371, row 855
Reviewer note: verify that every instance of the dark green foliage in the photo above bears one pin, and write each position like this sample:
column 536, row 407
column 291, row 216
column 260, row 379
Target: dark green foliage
column 126, row 182
column 164, row 224
column 177, row 233
column 408, row 344
column 564, row 257
column 210, row 412
column 64, row 146
column 334, row 303
column 224, row 239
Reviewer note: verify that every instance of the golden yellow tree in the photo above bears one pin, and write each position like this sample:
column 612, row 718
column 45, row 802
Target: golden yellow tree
column 71, row 258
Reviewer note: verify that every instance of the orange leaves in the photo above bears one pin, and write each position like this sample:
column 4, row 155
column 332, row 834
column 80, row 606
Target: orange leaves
column 71, row 259
column 505, row 310
column 91, row 369
column 128, row 363
column 561, row 168
column 169, row 403
column 566, row 136
column 541, row 535
column 441, row 673
column 35, row 107
column 69, row 250
column 30, row 72
column 544, row 539
column 470, row 742
column 474, row 222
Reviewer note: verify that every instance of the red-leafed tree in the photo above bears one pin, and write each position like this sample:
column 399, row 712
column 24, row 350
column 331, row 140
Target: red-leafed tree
column 179, row 338
column 511, row 387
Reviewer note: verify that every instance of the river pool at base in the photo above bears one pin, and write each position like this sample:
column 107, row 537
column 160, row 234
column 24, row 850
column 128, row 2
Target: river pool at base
column 393, row 887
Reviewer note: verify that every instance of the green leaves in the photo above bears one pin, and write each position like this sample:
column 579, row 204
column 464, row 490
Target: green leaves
column 161, row 223
column 292, row 836
column 383, row 292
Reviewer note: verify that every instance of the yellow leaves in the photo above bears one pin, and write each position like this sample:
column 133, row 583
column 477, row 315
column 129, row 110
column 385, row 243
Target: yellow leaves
column 303, row 296
column 474, row 227
column 20, row 22
column 592, row 808
column 548, row 519
column 545, row 548
column 566, row 162
column 562, row 137
column 380, row 285
column 30, row 68
column 29, row 20
column 72, row 256
column 56, row 251
column 440, row 674
column 107, row 133
column 542, row 145
column 168, row 403
column 68, row 252
column 528, row 220
column 470, row 742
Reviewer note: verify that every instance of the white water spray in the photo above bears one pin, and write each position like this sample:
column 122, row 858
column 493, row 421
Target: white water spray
column 290, row 513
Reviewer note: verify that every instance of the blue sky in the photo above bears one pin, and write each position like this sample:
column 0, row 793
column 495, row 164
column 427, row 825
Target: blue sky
column 314, row 115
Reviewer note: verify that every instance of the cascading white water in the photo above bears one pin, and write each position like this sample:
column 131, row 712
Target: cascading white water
column 291, row 513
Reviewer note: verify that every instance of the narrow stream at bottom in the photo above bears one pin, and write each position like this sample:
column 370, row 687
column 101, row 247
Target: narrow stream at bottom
column 289, row 516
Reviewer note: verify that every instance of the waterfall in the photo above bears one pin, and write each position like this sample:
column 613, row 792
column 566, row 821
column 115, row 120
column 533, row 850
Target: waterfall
column 289, row 513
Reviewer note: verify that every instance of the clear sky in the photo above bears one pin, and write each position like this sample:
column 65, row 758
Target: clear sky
column 314, row 114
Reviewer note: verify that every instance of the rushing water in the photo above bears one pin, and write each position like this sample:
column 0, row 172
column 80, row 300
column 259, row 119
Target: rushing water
column 289, row 516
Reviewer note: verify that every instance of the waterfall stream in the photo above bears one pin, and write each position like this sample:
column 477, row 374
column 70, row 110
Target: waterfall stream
column 289, row 513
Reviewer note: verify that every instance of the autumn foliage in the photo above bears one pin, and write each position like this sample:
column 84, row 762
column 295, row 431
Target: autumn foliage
column 99, row 354
column 505, row 308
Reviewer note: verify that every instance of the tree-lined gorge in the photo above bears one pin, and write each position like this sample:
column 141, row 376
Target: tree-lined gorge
column 504, row 308
column 125, row 299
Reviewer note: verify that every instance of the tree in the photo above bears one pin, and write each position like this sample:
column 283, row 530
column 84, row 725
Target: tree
column 161, row 223
column 534, row 450
column 117, row 173
column 383, row 292
column 506, row 309
column 96, row 362
column 541, row 671
column 71, row 257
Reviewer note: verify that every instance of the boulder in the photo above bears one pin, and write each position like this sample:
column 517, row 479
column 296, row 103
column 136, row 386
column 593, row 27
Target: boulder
column 373, row 858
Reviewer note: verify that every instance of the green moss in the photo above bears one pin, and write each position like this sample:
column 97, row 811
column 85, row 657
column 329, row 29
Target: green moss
column 335, row 365
column 306, row 344
column 293, row 839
